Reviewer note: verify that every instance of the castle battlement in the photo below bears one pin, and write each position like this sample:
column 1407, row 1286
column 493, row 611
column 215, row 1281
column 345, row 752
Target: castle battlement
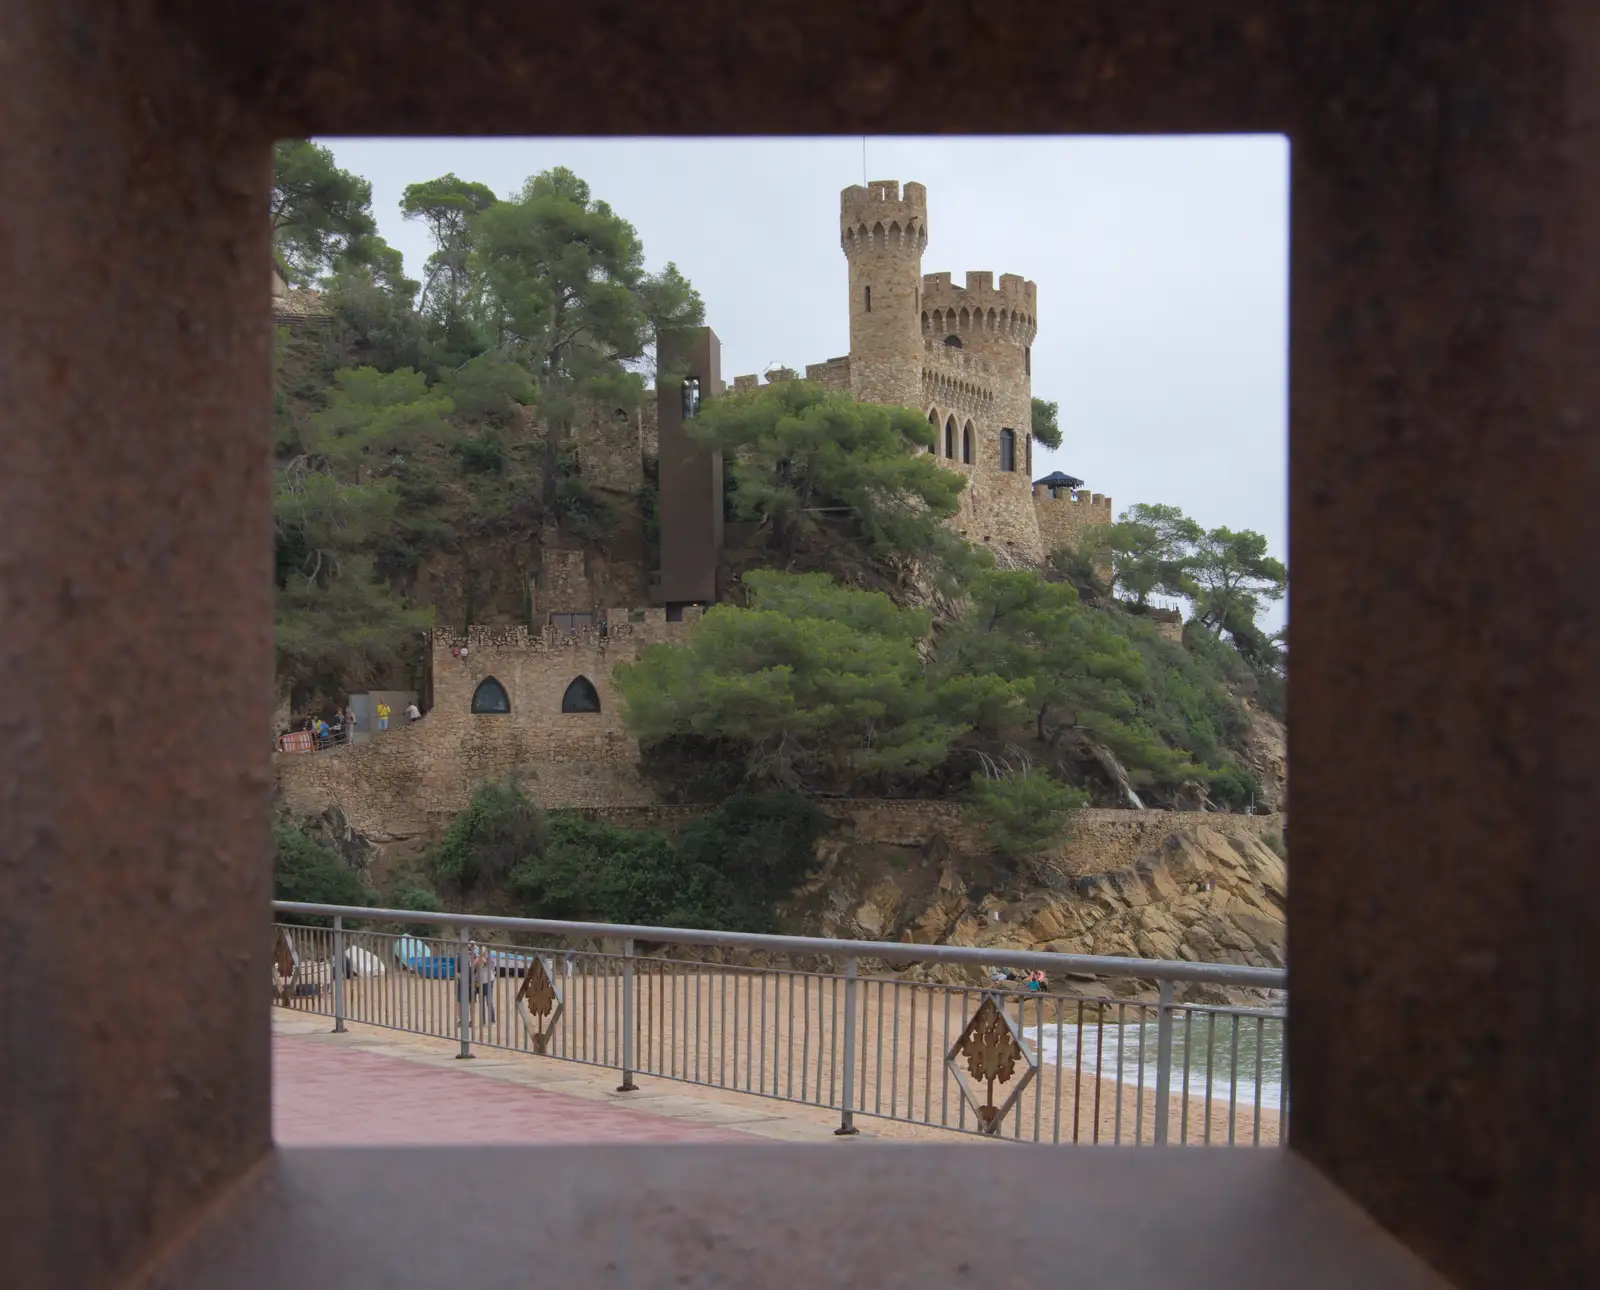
column 1082, row 498
column 607, row 629
column 1013, row 304
column 880, row 217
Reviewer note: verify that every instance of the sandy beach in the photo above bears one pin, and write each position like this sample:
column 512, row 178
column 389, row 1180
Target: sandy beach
column 781, row 1034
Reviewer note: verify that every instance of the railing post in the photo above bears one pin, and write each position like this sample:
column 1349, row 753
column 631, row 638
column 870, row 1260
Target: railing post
column 338, row 974
column 1163, row 1061
column 847, row 1115
column 627, row 1085
column 464, row 995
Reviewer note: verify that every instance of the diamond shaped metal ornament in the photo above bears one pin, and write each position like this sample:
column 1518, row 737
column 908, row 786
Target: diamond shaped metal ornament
column 991, row 1056
column 541, row 999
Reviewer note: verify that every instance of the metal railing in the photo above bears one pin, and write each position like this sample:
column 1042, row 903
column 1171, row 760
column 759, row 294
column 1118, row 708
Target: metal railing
column 805, row 1025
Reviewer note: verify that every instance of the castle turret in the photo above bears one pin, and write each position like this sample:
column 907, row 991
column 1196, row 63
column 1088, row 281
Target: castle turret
column 998, row 324
column 884, row 233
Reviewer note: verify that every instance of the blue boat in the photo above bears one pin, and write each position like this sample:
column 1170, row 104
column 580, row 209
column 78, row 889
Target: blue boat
column 415, row 955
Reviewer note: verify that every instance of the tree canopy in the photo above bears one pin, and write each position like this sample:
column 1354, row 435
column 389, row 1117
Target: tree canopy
column 320, row 214
column 569, row 298
column 795, row 450
column 1045, row 429
column 400, row 422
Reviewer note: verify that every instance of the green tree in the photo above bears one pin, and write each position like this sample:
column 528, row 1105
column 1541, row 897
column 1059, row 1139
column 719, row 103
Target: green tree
column 1027, row 650
column 1045, row 429
column 810, row 681
column 319, row 212
column 1232, row 579
column 373, row 417
column 337, row 622
column 1150, row 548
column 449, row 208
column 794, row 448
column 1023, row 813
column 569, row 296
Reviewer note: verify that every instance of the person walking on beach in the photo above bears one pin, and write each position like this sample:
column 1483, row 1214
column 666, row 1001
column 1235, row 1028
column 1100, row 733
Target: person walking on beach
column 383, row 715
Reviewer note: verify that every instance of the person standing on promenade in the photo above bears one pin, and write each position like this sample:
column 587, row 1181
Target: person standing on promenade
column 383, row 715
column 483, row 975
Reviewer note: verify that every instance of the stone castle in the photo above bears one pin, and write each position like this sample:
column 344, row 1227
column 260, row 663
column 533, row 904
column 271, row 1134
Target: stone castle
column 536, row 698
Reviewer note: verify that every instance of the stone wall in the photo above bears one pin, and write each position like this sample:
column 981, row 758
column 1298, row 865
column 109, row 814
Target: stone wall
column 833, row 375
column 393, row 785
column 1063, row 519
column 608, row 442
column 1103, row 841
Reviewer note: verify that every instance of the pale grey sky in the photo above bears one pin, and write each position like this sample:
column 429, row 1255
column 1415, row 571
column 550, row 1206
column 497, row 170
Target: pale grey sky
column 1162, row 266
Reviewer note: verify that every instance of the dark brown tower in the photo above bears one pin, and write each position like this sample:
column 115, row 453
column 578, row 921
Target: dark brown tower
column 689, row 372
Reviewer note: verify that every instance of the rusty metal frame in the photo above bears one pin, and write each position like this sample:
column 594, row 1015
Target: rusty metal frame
column 1443, row 475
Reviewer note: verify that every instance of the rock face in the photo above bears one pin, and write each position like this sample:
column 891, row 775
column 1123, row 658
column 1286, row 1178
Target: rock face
column 1200, row 895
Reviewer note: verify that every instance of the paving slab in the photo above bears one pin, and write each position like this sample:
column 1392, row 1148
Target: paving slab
column 327, row 1094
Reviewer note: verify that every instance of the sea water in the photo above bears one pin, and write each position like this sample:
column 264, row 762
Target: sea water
column 1202, row 1049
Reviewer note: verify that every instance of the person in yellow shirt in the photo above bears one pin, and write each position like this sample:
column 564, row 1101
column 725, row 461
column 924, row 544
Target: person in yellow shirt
column 383, row 716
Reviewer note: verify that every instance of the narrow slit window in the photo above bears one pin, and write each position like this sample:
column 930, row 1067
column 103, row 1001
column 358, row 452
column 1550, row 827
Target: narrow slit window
column 869, row 300
column 1008, row 450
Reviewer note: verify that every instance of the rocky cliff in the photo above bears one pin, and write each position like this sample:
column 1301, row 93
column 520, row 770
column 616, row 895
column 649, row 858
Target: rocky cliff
column 1198, row 894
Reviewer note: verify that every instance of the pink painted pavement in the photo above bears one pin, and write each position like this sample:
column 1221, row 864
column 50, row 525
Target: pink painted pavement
column 325, row 1095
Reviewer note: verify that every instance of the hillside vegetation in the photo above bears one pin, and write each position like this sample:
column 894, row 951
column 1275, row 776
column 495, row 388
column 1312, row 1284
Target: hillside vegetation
column 425, row 431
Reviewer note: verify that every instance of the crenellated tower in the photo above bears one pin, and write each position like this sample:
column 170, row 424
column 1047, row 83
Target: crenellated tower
column 884, row 232
column 995, row 325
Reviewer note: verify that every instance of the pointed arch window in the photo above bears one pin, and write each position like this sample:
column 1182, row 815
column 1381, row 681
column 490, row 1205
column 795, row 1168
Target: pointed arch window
column 581, row 696
column 490, row 698
column 933, row 420
column 1008, row 450
column 950, row 439
column 966, row 445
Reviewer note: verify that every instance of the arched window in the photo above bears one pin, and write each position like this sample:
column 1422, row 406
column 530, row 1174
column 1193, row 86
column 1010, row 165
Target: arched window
column 581, row 696
column 966, row 445
column 1008, row 450
column 950, row 438
column 491, row 697
column 953, row 341
column 933, row 420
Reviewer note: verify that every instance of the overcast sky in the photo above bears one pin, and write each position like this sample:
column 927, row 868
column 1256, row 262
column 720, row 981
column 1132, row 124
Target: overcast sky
column 1162, row 267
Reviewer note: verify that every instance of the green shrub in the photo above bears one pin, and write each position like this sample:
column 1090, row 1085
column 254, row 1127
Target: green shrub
column 1233, row 785
column 500, row 828
column 759, row 846
column 305, row 870
column 1023, row 814
column 411, row 894
column 593, row 871
column 726, row 871
column 483, row 454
